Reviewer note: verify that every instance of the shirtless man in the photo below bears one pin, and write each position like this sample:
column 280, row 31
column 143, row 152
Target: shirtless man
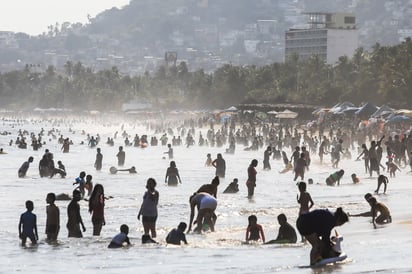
column 53, row 218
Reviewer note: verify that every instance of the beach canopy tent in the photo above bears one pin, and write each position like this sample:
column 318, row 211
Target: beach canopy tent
column 405, row 112
column 287, row 114
column 248, row 111
column 338, row 108
column 232, row 108
column 349, row 111
column 272, row 112
column 366, row 110
column 320, row 111
column 399, row 119
column 383, row 111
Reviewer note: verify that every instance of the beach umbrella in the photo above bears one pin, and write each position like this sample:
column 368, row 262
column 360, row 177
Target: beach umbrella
column 384, row 110
column 340, row 107
column 248, row 111
column 366, row 110
column 350, row 110
column 405, row 112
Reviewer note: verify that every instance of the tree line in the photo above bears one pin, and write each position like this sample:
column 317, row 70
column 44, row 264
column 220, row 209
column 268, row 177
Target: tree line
column 382, row 75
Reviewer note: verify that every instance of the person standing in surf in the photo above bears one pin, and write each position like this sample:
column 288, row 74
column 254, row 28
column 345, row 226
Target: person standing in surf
column 266, row 156
column 99, row 159
column 172, row 177
column 220, row 164
column 251, row 178
column 53, row 218
column 28, row 225
column 121, row 156
column 96, row 208
column 74, row 219
column 148, row 209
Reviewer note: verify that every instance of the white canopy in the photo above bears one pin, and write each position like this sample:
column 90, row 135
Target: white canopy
column 287, row 114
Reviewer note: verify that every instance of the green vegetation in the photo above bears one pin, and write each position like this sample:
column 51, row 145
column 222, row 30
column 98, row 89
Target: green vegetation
column 383, row 75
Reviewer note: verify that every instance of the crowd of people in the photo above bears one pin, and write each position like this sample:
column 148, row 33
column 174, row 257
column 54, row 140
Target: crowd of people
column 304, row 145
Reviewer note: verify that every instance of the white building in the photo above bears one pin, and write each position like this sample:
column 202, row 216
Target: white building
column 329, row 35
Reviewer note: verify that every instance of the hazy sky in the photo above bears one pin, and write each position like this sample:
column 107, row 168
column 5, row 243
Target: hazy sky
column 33, row 16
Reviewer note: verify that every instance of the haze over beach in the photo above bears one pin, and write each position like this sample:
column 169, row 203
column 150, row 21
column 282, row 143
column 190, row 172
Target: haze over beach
column 33, row 17
column 370, row 250
column 133, row 94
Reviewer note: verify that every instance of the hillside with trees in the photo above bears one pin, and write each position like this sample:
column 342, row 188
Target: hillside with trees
column 382, row 75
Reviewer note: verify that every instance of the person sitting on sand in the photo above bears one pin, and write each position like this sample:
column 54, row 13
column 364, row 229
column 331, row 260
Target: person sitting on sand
column 286, row 234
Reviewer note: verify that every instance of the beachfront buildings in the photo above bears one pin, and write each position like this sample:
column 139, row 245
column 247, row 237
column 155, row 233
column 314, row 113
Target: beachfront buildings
column 327, row 35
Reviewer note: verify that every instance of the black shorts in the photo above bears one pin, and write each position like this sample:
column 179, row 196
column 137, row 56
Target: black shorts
column 52, row 229
column 31, row 236
column 149, row 219
column 302, row 227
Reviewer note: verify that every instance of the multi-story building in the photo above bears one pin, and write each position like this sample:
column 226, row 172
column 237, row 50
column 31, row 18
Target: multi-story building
column 328, row 35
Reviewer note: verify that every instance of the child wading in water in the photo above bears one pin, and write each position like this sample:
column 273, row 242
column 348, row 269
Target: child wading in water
column 382, row 179
column 304, row 199
column 254, row 231
column 120, row 239
column 177, row 235
column 28, row 225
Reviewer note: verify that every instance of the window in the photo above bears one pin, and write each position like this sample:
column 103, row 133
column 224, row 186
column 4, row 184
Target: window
column 349, row 19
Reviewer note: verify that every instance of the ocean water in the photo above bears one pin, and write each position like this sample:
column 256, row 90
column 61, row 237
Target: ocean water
column 385, row 249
